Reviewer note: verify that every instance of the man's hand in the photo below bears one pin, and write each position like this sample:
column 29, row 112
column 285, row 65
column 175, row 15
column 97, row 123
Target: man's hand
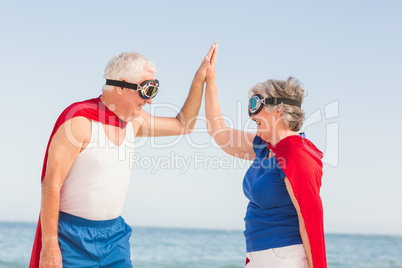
column 205, row 64
column 183, row 123
column 50, row 257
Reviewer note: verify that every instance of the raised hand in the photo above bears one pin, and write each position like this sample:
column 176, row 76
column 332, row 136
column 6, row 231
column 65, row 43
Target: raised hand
column 206, row 63
column 212, row 61
column 235, row 142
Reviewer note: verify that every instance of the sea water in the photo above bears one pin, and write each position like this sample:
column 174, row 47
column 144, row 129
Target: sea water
column 188, row 248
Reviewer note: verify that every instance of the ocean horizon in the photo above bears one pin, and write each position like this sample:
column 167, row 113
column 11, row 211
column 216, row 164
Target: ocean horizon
column 167, row 247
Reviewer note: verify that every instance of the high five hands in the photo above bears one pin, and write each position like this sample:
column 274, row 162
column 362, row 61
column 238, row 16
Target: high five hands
column 208, row 65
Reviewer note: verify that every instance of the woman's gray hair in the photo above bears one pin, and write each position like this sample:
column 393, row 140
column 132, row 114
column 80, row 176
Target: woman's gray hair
column 291, row 89
column 128, row 65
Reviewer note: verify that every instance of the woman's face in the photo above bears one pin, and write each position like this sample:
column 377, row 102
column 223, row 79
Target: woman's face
column 266, row 123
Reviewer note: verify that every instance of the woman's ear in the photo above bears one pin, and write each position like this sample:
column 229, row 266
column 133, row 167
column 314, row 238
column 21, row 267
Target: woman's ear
column 279, row 112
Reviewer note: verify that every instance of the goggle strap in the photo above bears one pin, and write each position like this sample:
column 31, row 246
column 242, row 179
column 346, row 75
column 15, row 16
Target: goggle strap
column 276, row 101
column 123, row 84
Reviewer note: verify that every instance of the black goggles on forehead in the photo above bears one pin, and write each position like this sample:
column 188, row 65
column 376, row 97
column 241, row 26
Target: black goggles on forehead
column 256, row 102
column 147, row 90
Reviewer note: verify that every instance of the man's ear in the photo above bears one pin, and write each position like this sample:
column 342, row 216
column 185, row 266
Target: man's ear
column 119, row 90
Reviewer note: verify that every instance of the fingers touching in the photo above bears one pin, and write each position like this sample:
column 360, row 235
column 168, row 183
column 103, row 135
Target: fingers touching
column 208, row 65
column 214, row 54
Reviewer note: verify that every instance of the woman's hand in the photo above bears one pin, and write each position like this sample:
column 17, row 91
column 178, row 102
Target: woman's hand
column 212, row 63
column 206, row 64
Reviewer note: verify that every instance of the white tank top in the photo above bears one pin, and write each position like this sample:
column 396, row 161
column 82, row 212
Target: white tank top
column 96, row 185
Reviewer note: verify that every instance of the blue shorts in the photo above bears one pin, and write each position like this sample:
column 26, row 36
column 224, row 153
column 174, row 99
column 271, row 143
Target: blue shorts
column 86, row 243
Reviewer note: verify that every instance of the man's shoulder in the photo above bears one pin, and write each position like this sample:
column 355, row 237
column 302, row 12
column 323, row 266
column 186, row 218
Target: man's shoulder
column 76, row 130
column 79, row 111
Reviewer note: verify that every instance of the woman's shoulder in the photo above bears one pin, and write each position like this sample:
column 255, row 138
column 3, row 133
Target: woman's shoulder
column 259, row 145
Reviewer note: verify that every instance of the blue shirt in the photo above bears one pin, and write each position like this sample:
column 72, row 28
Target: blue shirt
column 271, row 219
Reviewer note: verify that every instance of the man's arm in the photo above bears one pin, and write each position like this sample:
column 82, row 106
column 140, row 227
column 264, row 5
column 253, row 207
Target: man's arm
column 64, row 148
column 183, row 123
column 302, row 227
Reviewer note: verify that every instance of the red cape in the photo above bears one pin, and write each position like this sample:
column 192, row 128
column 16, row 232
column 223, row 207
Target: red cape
column 92, row 109
column 301, row 162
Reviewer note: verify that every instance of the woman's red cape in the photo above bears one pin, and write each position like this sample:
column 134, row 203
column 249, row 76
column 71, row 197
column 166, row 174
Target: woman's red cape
column 92, row 109
column 301, row 162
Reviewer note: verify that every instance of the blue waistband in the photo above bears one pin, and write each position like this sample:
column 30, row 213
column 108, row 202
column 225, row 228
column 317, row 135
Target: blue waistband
column 65, row 217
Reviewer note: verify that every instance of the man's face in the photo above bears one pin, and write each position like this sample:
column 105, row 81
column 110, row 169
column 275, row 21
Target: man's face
column 134, row 100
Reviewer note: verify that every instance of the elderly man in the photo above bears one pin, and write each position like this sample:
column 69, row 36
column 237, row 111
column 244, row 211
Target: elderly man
column 86, row 169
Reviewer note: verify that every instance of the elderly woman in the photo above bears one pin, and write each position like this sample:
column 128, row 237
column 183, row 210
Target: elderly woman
column 284, row 218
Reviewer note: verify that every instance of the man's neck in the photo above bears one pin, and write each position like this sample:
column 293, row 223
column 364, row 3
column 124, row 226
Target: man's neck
column 109, row 101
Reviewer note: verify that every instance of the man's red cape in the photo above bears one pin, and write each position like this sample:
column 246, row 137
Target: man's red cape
column 92, row 109
column 301, row 162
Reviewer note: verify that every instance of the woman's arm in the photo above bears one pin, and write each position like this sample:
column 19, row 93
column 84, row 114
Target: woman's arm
column 234, row 142
column 302, row 227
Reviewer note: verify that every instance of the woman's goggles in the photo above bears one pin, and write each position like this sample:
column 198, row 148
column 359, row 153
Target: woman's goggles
column 256, row 102
column 147, row 90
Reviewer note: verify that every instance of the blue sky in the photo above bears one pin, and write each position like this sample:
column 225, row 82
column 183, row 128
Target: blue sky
column 346, row 53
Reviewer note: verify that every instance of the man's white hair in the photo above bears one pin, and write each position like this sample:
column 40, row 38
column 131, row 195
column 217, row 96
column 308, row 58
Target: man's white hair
column 128, row 65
